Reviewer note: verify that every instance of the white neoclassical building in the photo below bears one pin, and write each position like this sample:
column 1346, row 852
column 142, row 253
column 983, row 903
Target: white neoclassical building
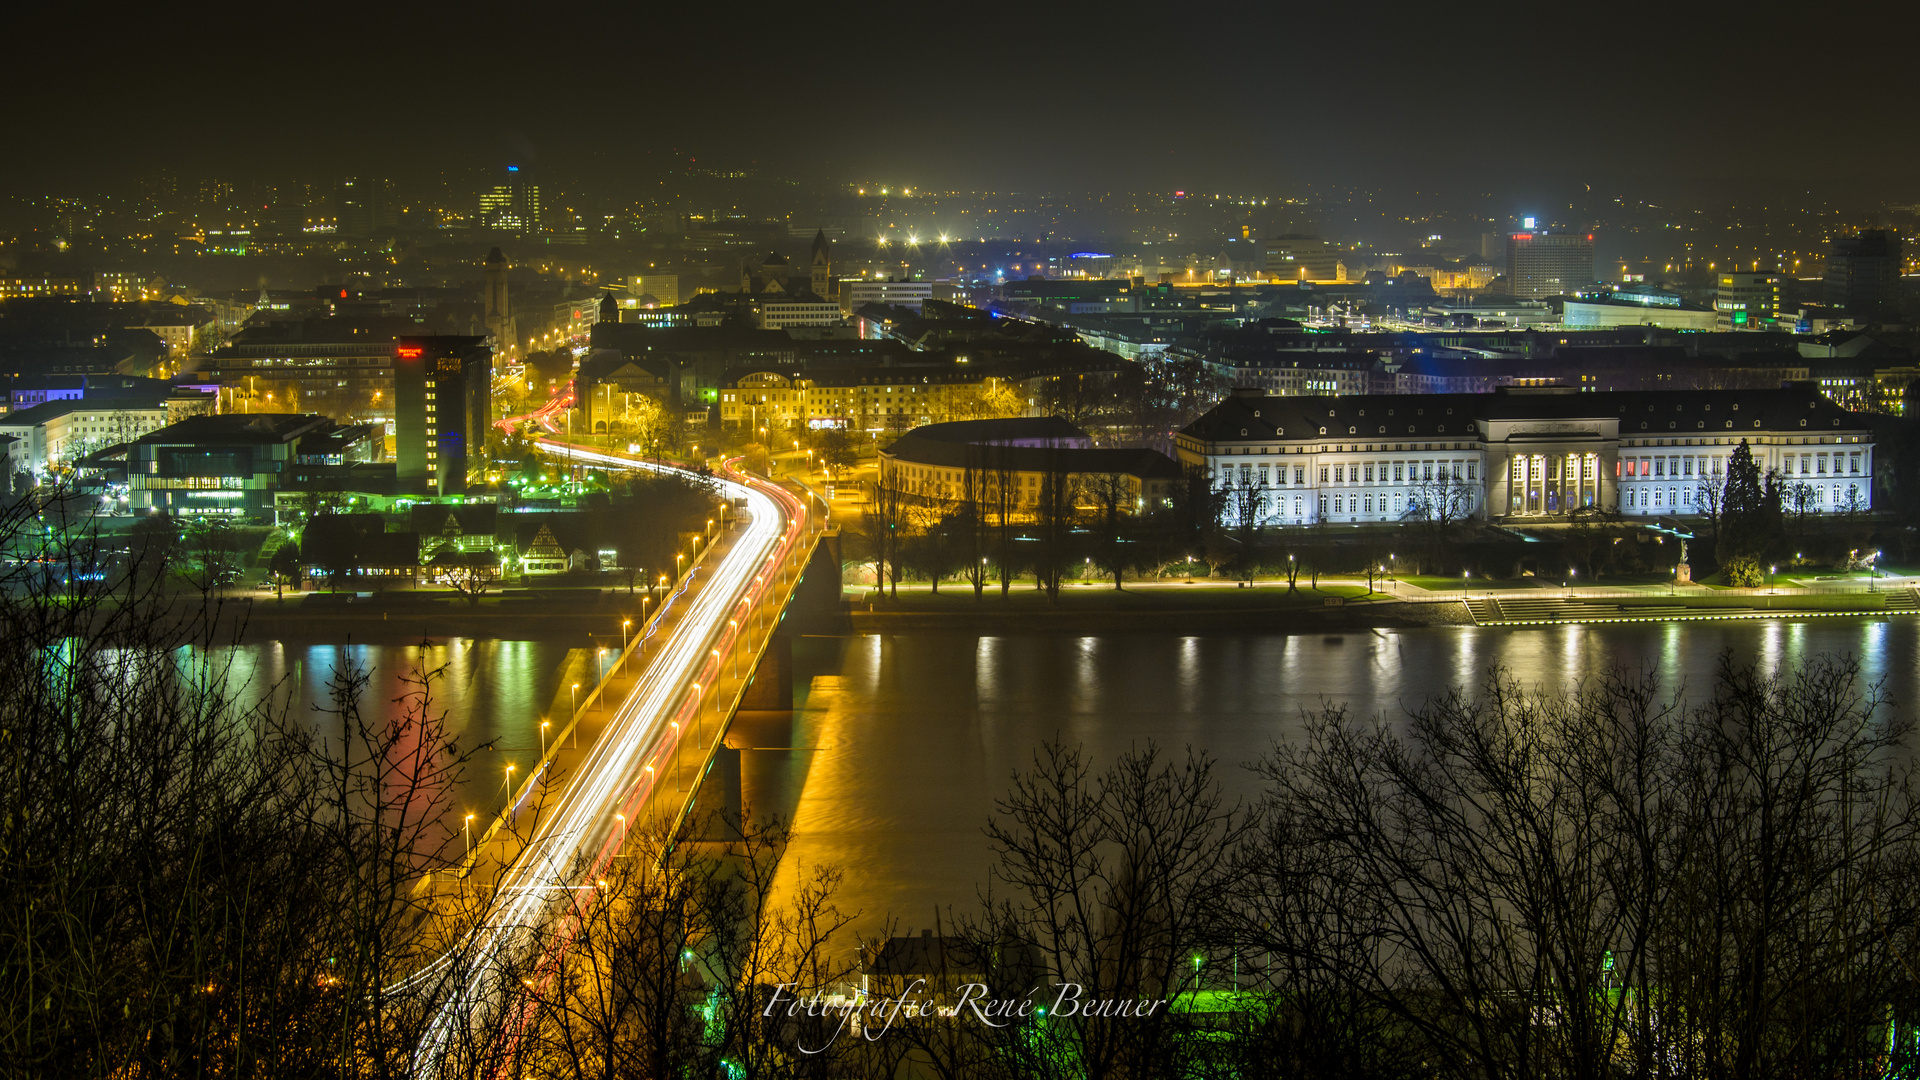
column 1518, row 453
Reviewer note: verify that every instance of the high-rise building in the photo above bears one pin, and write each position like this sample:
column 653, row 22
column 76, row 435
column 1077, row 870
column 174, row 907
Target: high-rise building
column 365, row 207
column 664, row 288
column 1544, row 264
column 1747, row 301
column 1863, row 273
column 513, row 206
column 499, row 314
column 1299, row 257
column 442, row 389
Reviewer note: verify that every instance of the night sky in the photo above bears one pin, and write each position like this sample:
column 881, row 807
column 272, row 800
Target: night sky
column 1026, row 97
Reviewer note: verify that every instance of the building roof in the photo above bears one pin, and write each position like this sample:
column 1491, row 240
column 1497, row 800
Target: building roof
column 242, row 429
column 467, row 519
column 1145, row 464
column 1255, row 416
column 926, row 955
column 1030, row 430
column 54, row 410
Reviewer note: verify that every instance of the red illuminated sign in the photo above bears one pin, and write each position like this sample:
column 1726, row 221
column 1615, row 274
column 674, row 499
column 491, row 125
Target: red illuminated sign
column 410, row 352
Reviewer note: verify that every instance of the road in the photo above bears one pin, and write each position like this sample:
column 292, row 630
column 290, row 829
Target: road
column 579, row 829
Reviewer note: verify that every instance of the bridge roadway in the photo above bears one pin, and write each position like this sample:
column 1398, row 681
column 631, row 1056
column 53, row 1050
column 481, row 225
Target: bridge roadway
column 724, row 606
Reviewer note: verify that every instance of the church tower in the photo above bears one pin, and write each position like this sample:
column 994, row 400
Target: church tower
column 499, row 314
column 822, row 260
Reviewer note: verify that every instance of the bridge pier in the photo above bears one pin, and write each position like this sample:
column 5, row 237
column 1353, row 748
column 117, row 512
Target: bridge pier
column 771, row 687
column 816, row 607
column 719, row 802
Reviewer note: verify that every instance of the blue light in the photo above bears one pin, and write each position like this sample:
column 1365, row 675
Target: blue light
column 513, row 168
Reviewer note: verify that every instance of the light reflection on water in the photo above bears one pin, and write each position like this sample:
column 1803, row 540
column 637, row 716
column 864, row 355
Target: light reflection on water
column 491, row 692
column 902, row 757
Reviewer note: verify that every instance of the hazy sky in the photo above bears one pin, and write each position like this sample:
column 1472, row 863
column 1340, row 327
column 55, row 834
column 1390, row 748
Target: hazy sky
column 1030, row 96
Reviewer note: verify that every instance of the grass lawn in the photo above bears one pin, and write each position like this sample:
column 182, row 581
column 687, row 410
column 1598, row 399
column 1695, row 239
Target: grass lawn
column 1439, row 584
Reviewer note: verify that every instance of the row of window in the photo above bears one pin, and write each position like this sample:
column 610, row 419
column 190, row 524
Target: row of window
column 1336, row 503
column 1819, row 497
column 186, row 483
column 1698, row 465
column 1362, row 473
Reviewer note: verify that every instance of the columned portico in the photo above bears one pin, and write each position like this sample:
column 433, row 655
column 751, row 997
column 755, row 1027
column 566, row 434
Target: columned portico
column 1539, row 468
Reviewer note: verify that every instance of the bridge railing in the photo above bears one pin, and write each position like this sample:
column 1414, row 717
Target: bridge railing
column 792, row 569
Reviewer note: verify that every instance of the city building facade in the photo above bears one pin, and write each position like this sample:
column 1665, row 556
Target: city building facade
column 233, row 466
column 1747, row 301
column 442, row 405
column 60, row 432
column 1544, row 264
column 1863, row 273
column 1520, row 453
column 973, row 460
column 856, row 293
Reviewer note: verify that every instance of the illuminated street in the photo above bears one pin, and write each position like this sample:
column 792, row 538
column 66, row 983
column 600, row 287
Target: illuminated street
column 581, row 826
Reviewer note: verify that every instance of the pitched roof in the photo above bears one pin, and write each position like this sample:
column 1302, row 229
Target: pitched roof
column 1142, row 463
column 1404, row 416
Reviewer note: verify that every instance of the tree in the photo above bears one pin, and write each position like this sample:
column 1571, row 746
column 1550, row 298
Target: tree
column 1750, row 515
column 1114, row 883
column 887, row 520
column 1244, row 512
column 1443, row 500
column 668, row 965
column 838, row 450
column 939, row 542
column 1003, row 496
column 1589, row 540
column 470, row 573
column 199, row 883
column 1694, row 889
column 1055, row 512
column 285, row 566
column 1710, row 497
column 972, row 518
column 216, row 549
column 1800, row 499
column 1115, row 511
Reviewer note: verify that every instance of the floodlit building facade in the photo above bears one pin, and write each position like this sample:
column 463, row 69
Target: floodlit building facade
column 1519, row 453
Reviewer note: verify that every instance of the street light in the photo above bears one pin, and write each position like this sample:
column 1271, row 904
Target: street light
column 468, row 829
column 622, row 819
column 543, row 738
column 576, row 699
column 624, row 646
column 679, row 759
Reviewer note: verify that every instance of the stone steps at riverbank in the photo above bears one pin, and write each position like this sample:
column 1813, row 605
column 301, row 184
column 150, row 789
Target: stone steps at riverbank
column 1537, row 610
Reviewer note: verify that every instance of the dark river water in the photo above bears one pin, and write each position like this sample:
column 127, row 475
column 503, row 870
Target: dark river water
column 891, row 764
column 905, row 741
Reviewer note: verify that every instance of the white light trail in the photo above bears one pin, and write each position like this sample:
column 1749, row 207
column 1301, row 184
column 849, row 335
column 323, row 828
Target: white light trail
column 581, row 829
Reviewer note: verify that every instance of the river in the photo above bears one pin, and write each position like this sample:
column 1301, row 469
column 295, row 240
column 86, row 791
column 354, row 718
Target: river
column 903, row 742
column 900, row 743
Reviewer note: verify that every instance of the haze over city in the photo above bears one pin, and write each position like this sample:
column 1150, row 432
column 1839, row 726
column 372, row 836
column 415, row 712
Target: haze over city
column 903, row 542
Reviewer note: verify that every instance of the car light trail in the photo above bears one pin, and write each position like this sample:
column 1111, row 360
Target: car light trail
column 584, row 827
